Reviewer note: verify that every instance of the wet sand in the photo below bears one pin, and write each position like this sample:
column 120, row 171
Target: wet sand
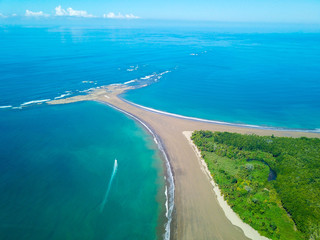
column 197, row 214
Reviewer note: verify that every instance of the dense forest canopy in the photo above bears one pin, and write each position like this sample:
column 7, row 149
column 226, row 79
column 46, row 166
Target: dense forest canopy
column 287, row 207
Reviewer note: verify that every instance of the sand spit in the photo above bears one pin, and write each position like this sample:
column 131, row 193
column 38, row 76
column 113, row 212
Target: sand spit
column 198, row 212
column 95, row 94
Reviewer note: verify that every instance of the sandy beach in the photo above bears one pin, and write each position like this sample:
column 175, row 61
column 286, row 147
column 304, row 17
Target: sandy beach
column 230, row 214
column 198, row 214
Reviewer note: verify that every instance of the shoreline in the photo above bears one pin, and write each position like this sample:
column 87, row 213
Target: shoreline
column 179, row 116
column 198, row 212
column 169, row 179
column 234, row 218
column 126, row 88
column 243, row 125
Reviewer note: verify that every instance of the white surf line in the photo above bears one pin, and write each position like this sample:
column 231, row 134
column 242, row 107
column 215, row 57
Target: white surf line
column 230, row 214
column 62, row 96
column 7, row 106
column 217, row 122
column 131, row 81
column 35, row 102
column 170, row 180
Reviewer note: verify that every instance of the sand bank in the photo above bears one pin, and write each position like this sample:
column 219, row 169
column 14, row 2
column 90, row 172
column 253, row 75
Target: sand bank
column 198, row 213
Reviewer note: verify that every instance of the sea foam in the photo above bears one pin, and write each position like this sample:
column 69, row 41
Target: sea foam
column 35, row 102
column 8, row 106
column 62, row 96
column 133, row 68
column 147, row 77
column 131, row 81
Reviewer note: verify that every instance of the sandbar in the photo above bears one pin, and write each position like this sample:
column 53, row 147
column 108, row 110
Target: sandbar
column 198, row 214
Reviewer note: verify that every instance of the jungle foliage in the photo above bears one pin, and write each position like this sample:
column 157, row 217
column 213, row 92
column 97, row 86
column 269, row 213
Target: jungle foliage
column 287, row 206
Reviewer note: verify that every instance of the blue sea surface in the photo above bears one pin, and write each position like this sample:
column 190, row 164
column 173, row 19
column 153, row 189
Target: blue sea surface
column 56, row 161
column 258, row 79
column 269, row 79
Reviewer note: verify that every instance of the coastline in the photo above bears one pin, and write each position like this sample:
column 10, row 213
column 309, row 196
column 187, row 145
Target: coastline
column 243, row 125
column 230, row 214
column 169, row 174
column 198, row 213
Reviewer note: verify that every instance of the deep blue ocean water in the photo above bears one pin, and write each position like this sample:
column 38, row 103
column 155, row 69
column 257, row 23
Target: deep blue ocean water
column 268, row 79
column 56, row 161
column 260, row 79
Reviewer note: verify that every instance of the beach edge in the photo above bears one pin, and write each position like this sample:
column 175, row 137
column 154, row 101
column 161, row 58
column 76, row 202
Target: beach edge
column 233, row 217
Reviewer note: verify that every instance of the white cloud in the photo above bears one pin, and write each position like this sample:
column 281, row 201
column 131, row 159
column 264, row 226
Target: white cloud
column 60, row 11
column 36, row 14
column 78, row 13
column 120, row 16
column 2, row 16
column 71, row 12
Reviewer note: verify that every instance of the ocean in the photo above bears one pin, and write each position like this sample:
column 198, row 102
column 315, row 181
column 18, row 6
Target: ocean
column 56, row 165
column 57, row 161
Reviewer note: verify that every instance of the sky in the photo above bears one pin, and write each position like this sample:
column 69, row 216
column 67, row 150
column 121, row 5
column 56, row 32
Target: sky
column 287, row 11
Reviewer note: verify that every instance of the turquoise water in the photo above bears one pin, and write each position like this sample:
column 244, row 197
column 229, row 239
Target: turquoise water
column 56, row 163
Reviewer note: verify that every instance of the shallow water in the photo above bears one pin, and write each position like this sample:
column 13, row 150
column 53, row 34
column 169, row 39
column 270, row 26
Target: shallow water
column 56, row 163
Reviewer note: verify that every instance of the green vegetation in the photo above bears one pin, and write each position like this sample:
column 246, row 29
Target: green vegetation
column 287, row 207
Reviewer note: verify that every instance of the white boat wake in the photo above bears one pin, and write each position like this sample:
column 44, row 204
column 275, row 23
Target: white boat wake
column 103, row 203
